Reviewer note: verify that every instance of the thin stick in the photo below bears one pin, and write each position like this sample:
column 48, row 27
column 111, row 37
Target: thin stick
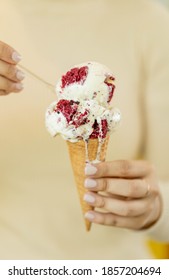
column 52, row 87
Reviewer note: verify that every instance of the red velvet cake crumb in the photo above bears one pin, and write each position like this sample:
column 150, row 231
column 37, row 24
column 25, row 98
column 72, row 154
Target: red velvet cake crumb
column 97, row 132
column 75, row 75
column 67, row 107
column 80, row 119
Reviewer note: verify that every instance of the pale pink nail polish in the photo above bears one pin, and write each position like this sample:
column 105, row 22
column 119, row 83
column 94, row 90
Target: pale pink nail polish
column 16, row 56
column 89, row 216
column 20, row 75
column 90, row 169
column 90, row 183
column 89, row 198
column 19, row 86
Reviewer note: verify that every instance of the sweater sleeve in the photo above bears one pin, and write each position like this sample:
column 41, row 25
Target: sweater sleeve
column 155, row 55
column 156, row 92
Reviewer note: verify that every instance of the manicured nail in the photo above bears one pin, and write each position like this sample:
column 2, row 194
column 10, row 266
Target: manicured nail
column 20, row 75
column 90, row 169
column 89, row 216
column 90, row 183
column 19, row 86
column 89, row 198
column 16, row 56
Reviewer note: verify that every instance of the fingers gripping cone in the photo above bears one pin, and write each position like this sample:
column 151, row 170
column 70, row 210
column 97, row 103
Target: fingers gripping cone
column 77, row 153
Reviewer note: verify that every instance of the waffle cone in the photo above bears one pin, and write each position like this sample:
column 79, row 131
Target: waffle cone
column 77, row 153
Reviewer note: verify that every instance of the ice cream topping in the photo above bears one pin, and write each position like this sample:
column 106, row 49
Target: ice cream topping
column 83, row 109
column 87, row 81
column 75, row 75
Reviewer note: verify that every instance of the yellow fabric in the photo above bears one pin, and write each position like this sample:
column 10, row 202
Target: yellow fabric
column 160, row 250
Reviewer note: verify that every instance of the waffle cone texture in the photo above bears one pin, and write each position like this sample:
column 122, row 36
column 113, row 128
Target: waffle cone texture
column 77, row 153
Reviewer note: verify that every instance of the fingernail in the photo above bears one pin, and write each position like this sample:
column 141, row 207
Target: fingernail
column 16, row 56
column 89, row 216
column 19, row 86
column 90, row 183
column 89, row 198
column 90, row 169
column 20, row 75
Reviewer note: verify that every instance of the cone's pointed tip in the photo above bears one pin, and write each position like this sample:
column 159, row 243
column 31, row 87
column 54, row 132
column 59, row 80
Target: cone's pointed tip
column 88, row 226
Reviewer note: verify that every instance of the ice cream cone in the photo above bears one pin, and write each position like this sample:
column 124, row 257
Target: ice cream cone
column 77, row 154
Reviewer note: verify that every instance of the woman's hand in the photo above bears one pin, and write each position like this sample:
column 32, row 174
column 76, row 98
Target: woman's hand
column 10, row 76
column 126, row 191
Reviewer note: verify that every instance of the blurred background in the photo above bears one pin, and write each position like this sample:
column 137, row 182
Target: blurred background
column 165, row 2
